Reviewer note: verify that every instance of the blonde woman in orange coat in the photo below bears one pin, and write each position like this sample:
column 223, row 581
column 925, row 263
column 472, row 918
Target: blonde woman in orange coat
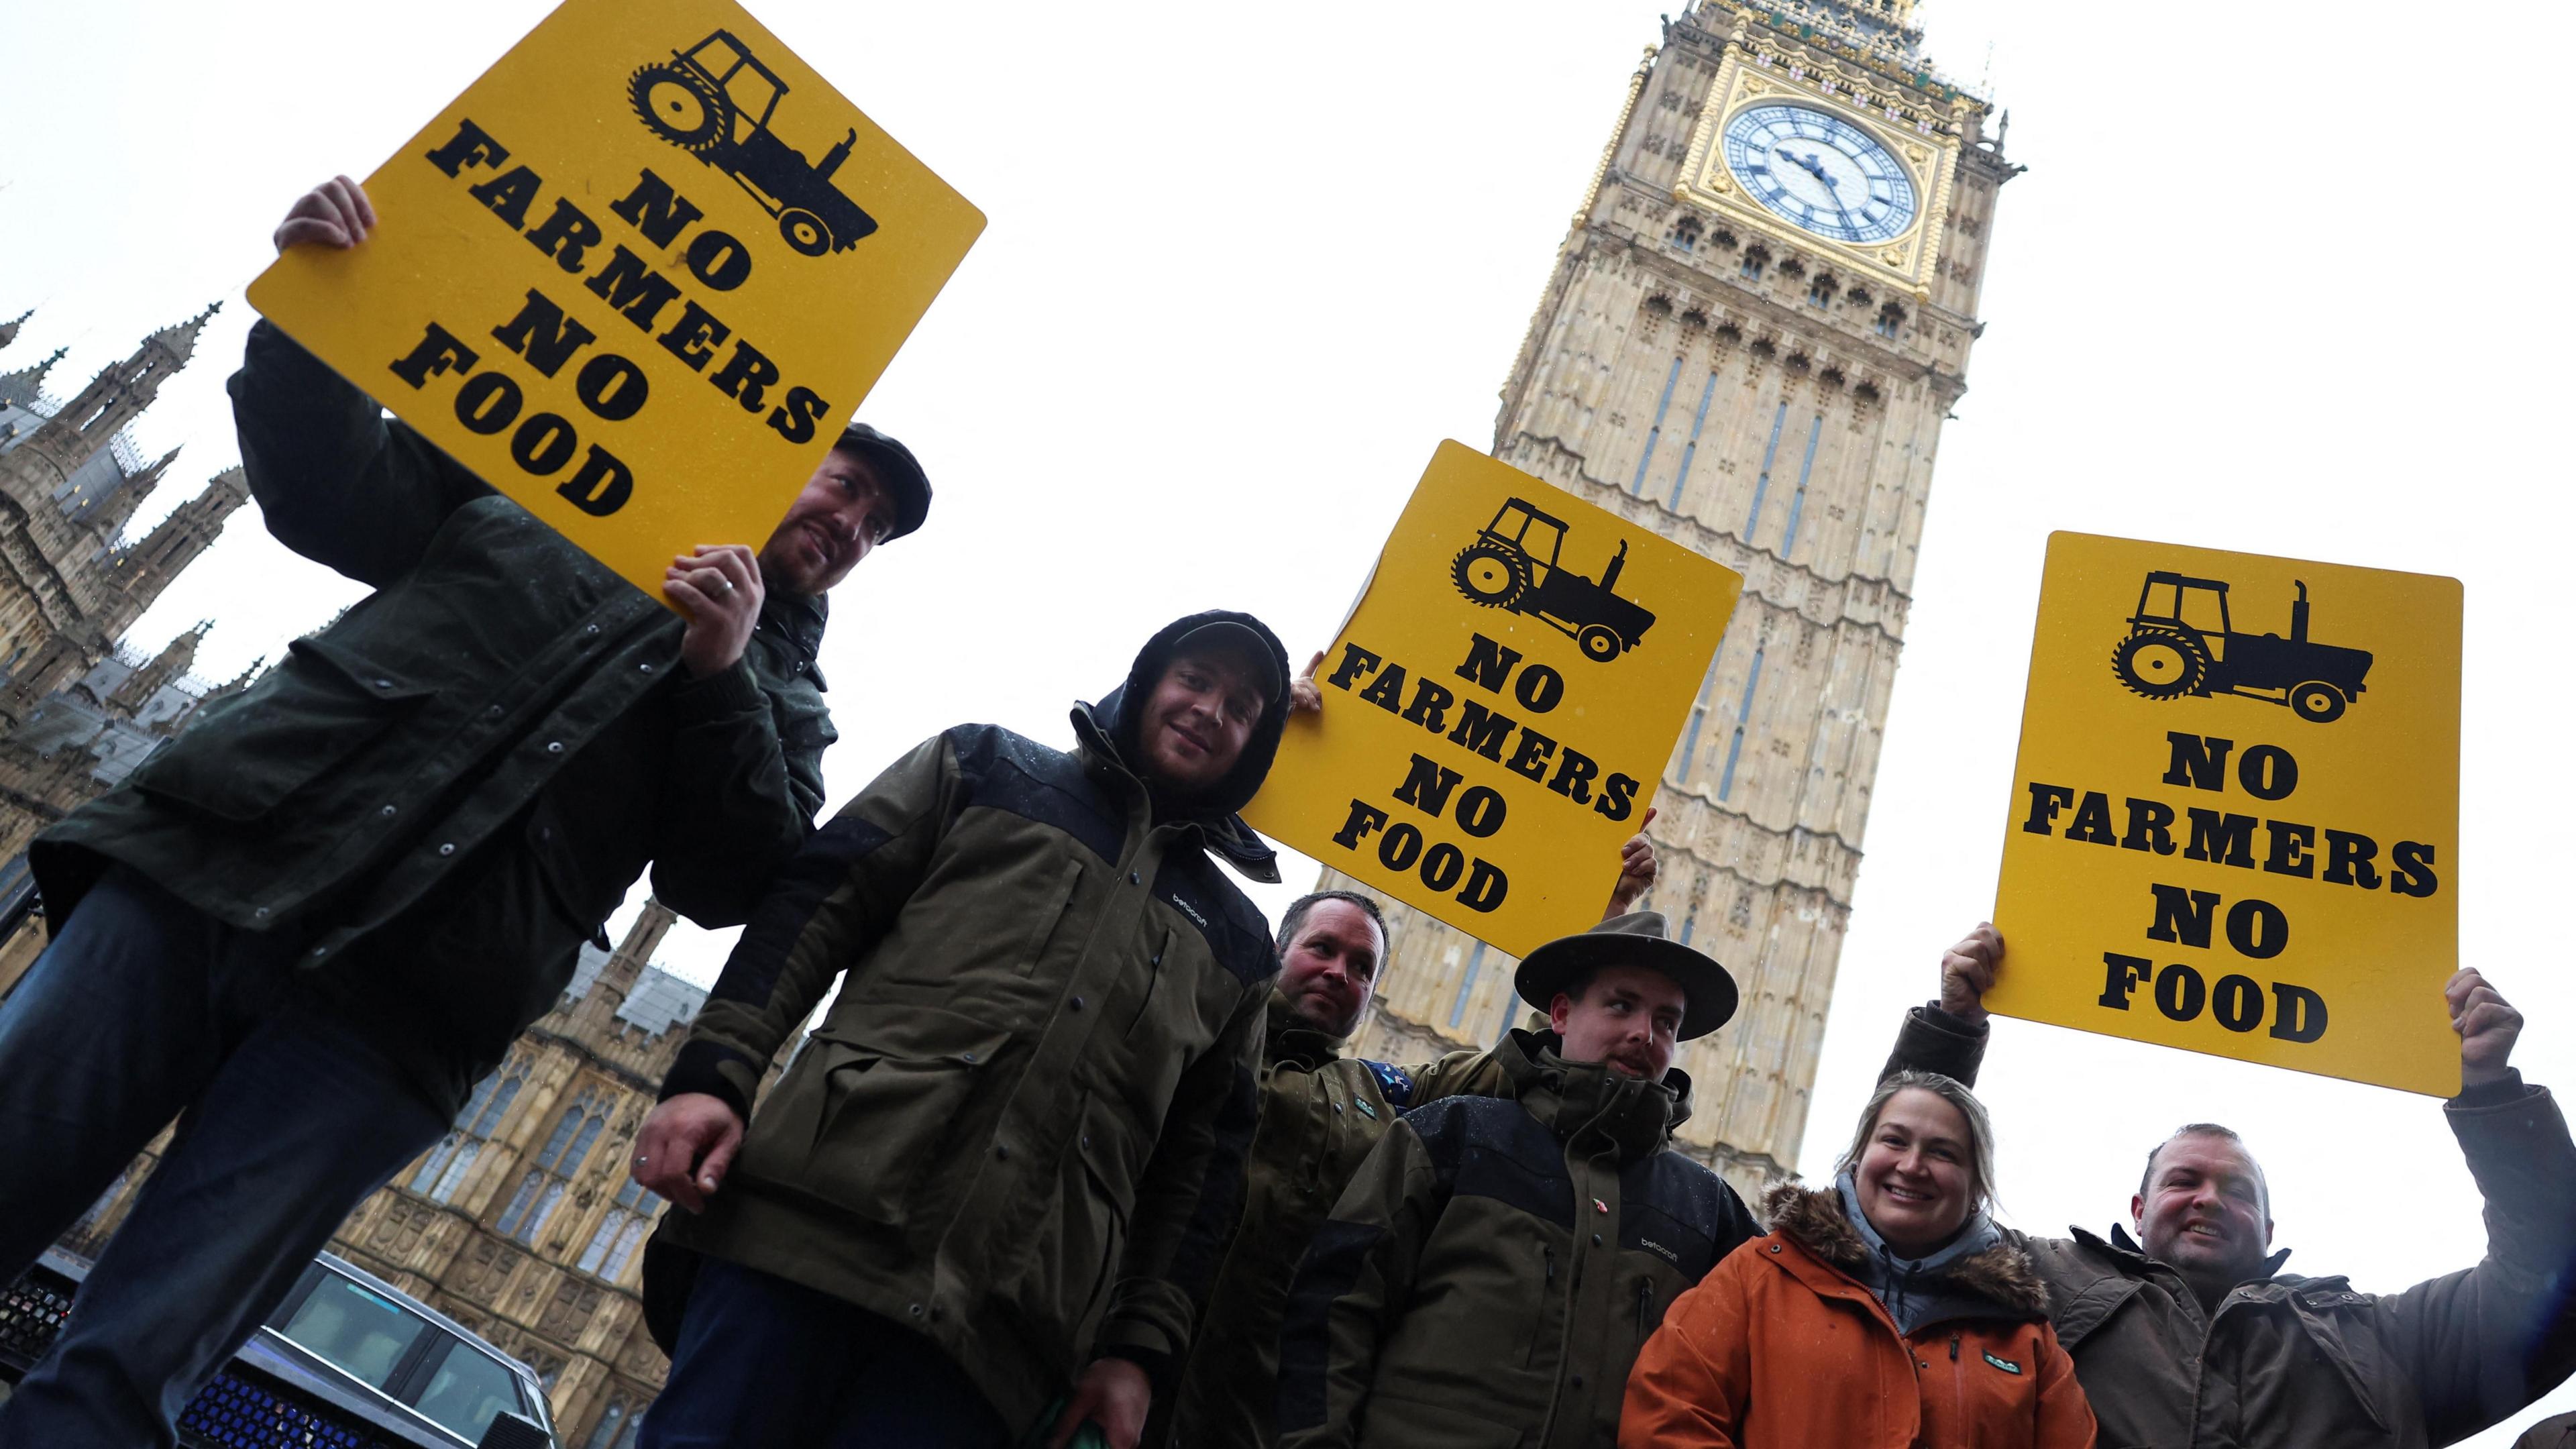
column 1884, row 1312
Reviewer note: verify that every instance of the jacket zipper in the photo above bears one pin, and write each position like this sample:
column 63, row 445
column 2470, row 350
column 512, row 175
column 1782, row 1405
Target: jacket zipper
column 1547, row 1258
column 1954, row 1348
column 1646, row 1297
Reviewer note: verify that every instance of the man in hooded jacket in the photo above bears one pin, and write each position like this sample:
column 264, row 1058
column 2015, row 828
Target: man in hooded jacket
column 1013, row 1146
column 2189, row 1335
column 1496, row 1263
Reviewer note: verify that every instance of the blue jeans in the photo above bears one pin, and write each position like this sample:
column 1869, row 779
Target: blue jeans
column 764, row 1363
column 143, row 1008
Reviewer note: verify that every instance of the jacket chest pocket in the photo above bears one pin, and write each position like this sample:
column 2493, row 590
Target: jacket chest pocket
column 242, row 761
column 1046, row 918
column 874, row 1113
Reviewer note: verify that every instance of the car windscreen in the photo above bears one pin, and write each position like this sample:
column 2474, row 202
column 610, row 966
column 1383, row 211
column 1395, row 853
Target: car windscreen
column 363, row 1333
column 468, row 1391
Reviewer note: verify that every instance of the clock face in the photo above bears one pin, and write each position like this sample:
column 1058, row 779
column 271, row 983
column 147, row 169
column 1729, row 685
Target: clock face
column 1820, row 172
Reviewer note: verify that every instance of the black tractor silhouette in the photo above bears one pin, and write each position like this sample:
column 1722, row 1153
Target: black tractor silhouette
column 2180, row 642
column 1503, row 570
column 714, row 101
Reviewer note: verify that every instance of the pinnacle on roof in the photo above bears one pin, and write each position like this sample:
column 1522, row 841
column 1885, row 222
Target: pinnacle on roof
column 181, row 337
column 20, row 387
column 9, row 329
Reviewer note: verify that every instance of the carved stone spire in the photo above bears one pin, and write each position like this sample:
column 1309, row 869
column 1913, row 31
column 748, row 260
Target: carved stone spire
column 20, row 387
column 111, row 515
column 181, row 337
column 173, row 662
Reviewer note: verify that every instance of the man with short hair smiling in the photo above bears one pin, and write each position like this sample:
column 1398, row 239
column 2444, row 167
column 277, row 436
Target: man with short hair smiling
column 2188, row 1336
column 1321, row 1115
column 313, row 921
column 1499, row 1260
column 997, row 1175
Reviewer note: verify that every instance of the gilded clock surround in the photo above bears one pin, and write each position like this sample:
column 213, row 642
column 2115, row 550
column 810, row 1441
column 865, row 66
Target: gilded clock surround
column 1928, row 148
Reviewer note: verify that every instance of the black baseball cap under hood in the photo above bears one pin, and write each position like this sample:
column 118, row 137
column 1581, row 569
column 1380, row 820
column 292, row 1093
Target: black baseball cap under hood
column 1118, row 709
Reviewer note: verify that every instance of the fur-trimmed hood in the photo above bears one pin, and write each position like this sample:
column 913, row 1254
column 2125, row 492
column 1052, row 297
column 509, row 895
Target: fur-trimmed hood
column 1997, row 1281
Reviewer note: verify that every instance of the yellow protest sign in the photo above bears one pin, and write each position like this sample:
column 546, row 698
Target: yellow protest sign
column 2234, row 819
column 637, row 276
column 1499, row 704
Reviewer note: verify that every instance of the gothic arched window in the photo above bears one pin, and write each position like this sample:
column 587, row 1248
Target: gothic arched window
column 444, row 1168
column 1891, row 318
column 628, row 1219
column 617, row 1427
column 549, row 1176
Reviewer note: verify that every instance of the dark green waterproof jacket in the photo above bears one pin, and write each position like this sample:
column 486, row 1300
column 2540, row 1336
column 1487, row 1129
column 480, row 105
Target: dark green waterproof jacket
column 2290, row 1362
column 1489, row 1275
column 1321, row 1115
column 487, row 749
column 1020, row 1128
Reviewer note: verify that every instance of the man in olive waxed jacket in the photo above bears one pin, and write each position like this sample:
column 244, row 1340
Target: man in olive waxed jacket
column 1494, row 1266
column 999, row 1171
column 313, row 920
column 2188, row 1335
column 1322, row 1113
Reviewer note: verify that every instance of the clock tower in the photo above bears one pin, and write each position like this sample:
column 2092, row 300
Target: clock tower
column 1749, row 341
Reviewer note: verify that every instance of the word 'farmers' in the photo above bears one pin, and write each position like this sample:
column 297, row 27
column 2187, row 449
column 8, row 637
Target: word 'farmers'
column 1482, row 731
column 1430, row 787
column 610, row 386
column 2255, row 929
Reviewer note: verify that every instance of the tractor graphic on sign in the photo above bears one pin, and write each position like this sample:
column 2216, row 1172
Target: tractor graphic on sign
column 714, row 101
column 2181, row 642
column 1505, row 568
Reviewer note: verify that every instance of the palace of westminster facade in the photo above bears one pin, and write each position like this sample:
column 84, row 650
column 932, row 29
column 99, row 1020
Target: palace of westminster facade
column 1749, row 339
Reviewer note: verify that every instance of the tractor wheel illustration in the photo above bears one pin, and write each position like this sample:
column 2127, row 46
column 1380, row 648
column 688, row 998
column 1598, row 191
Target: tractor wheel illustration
column 2160, row 665
column 1599, row 643
column 678, row 106
column 2317, row 703
column 1489, row 575
column 804, row 231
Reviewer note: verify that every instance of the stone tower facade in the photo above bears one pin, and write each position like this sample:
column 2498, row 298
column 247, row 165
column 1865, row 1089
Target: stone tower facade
column 70, row 581
column 78, row 709
column 1749, row 341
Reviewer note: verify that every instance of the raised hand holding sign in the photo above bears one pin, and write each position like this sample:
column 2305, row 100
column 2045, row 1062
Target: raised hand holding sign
column 643, row 352
column 2227, row 835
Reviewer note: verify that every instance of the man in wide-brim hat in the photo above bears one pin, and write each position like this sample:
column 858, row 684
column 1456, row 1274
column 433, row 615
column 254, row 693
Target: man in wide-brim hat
column 1537, row 1232
column 1560, row 978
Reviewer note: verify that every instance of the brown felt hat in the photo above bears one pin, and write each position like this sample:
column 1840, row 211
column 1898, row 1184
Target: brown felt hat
column 1639, row 938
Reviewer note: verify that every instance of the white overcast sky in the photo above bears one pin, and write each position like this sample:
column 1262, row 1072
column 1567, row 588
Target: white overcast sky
column 1248, row 264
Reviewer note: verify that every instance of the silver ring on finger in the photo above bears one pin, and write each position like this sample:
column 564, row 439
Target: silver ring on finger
column 724, row 586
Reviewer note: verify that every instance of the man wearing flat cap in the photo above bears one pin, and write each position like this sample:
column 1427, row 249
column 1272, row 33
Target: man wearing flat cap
column 1499, row 1261
column 316, row 919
